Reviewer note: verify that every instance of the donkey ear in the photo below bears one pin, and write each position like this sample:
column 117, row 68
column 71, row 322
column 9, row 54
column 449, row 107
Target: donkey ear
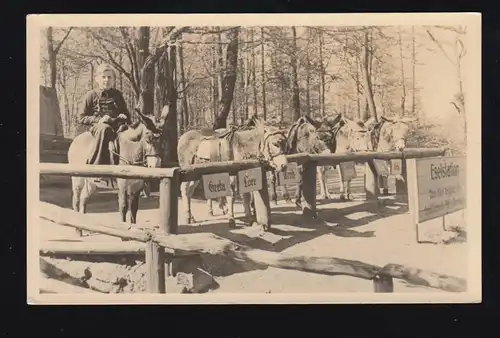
column 386, row 119
column 146, row 120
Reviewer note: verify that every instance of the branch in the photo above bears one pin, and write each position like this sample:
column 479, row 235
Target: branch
column 56, row 50
column 440, row 46
column 113, row 61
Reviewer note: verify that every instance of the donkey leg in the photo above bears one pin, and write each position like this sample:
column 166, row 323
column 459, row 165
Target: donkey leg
column 274, row 195
column 247, row 200
column 87, row 191
column 210, row 207
column 123, row 203
column 385, row 185
column 348, row 189
column 186, row 201
column 322, row 183
column 223, row 205
column 78, row 183
column 230, row 202
column 341, row 183
column 133, row 204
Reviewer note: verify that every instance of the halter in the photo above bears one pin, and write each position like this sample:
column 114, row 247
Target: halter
column 265, row 144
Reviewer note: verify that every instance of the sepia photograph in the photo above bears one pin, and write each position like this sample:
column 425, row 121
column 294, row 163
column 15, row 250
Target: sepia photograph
column 311, row 158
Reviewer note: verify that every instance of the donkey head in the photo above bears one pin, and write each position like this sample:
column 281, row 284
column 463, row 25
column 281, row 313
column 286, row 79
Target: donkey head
column 390, row 133
column 272, row 142
column 148, row 132
column 303, row 137
column 355, row 134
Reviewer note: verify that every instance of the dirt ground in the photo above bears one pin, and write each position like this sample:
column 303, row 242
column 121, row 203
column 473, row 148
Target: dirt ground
column 357, row 230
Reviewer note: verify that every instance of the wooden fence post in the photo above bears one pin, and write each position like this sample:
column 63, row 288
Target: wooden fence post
column 371, row 181
column 383, row 283
column 309, row 189
column 155, row 261
column 169, row 188
column 262, row 205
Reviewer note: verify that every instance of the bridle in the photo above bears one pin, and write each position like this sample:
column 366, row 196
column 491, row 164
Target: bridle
column 265, row 148
column 136, row 163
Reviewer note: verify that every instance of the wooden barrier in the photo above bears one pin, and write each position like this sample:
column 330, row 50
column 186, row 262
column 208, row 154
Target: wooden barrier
column 215, row 245
column 170, row 179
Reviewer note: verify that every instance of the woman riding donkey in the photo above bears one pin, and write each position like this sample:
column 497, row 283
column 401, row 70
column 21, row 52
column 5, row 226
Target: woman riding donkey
column 106, row 113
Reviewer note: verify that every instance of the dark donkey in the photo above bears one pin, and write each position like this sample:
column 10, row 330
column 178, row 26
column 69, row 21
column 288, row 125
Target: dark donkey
column 304, row 137
column 138, row 145
column 255, row 139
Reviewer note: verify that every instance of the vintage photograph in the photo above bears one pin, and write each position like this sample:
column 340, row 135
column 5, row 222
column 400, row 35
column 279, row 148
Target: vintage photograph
column 267, row 157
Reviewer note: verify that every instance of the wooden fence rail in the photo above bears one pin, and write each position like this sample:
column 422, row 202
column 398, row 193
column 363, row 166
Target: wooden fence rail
column 170, row 179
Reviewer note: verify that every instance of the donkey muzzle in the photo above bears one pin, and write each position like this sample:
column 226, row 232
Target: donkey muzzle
column 153, row 161
column 279, row 162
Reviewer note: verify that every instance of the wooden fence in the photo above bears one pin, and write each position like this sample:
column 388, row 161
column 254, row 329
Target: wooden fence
column 170, row 178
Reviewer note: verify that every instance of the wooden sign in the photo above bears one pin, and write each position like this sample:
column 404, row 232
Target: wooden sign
column 216, row 185
column 290, row 175
column 249, row 180
column 436, row 186
column 381, row 167
column 396, row 167
column 348, row 170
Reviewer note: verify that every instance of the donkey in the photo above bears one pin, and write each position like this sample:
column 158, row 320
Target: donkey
column 347, row 136
column 253, row 140
column 303, row 137
column 138, row 145
column 389, row 134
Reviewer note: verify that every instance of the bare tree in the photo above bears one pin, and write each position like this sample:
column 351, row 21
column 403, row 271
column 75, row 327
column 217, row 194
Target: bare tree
column 53, row 49
column 229, row 79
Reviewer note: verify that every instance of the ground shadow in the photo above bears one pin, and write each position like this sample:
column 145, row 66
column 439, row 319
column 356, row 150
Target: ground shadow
column 102, row 201
column 301, row 230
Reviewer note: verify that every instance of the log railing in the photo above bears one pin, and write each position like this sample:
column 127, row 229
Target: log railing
column 157, row 244
column 170, row 179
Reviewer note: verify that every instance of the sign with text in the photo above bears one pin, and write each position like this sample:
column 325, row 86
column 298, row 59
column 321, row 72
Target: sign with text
column 348, row 170
column 396, row 167
column 249, row 180
column 381, row 167
column 436, row 186
column 216, row 185
column 290, row 175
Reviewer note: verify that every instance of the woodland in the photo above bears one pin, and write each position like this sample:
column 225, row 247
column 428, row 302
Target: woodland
column 218, row 76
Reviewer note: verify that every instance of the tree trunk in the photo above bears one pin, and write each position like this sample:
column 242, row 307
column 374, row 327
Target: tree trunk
column 229, row 79
column 142, row 50
column 365, row 70
column 263, row 73
column 403, row 87
column 182, row 87
column 295, row 81
column 308, row 81
column 358, row 89
column 322, row 76
column 413, row 62
column 52, row 58
column 169, row 134
column 213, row 83
column 246, row 72
column 254, row 78
column 120, row 76
column 91, row 75
column 220, row 68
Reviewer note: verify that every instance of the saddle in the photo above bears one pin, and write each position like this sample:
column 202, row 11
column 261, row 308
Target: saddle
column 215, row 148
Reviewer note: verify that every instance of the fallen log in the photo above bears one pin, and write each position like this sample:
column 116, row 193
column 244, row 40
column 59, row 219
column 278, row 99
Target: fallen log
column 61, row 248
column 425, row 278
column 53, row 272
column 208, row 243
column 49, row 285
